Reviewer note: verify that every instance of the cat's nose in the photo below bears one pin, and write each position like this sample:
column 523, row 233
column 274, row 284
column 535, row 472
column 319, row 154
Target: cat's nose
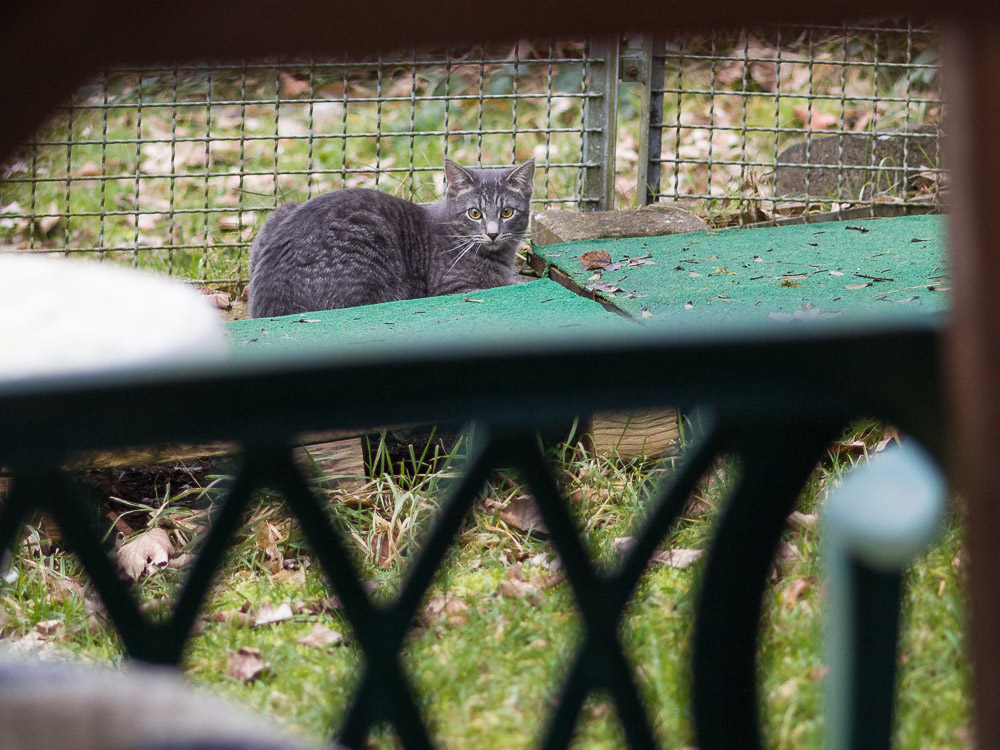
column 492, row 230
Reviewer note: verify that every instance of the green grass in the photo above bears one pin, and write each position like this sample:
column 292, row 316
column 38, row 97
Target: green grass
column 489, row 672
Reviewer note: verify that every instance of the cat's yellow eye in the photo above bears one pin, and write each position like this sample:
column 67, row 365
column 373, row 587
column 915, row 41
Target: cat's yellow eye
column 506, row 212
column 475, row 214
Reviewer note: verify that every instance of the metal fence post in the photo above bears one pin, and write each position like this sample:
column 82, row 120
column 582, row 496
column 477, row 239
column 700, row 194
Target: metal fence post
column 651, row 118
column 601, row 125
column 641, row 62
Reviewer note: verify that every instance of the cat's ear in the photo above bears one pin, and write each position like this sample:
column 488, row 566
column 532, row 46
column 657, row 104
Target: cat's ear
column 522, row 175
column 458, row 180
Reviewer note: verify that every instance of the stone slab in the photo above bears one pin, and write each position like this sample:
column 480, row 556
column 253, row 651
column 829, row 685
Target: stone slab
column 854, row 166
column 559, row 225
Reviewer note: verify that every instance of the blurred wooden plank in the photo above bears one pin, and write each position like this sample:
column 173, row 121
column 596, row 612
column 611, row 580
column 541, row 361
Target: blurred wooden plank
column 341, row 463
column 157, row 455
column 630, row 434
column 971, row 64
column 336, row 455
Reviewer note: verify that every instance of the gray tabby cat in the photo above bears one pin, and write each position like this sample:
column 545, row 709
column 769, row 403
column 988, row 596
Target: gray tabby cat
column 356, row 246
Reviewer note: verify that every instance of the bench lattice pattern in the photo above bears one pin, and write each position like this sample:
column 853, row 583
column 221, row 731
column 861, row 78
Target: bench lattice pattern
column 790, row 398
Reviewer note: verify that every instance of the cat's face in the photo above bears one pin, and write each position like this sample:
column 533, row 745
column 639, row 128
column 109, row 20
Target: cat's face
column 490, row 206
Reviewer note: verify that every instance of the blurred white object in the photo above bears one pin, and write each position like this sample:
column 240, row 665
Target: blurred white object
column 63, row 706
column 60, row 316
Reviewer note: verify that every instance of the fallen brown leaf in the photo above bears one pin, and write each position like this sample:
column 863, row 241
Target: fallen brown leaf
column 788, row 689
column 518, row 586
column 803, row 521
column 120, row 523
column 49, row 628
column 221, row 300
column 286, row 575
column 674, row 558
column 268, row 537
column 235, row 617
column 542, row 560
column 522, row 513
column 891, row 433
column 291, row 87
column 381, row 550
column 603, row 287
column 788, row 553
column 311, row 608
column 32, row 642
column 677, row 558
column 146, row 553
column 47, row 223
column 183, row 560
column 62, row 588
column 813, row 118
column 321, row 637
column 552, row 580
column 454, row 611
column 90, row 169
column 268, row 614
column 795, row 591
column 595, row 259
column 245, row 664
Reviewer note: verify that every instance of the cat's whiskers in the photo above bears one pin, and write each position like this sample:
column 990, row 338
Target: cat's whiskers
column 461, row 255
column 458, row 246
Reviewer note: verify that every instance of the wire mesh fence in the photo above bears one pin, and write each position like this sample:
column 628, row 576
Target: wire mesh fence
column 757, row 125
column 175, row 168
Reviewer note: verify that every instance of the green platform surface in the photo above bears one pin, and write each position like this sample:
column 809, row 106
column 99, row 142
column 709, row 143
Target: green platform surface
column 535, row 308
column 700, row 282
column 872, row 269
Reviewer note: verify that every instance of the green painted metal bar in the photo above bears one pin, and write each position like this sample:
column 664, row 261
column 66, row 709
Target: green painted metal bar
column 735, row 577
column 880, row 518
column 808, row 370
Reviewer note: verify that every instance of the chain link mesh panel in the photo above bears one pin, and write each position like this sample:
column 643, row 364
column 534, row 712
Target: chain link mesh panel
column 176, row 168
column 761, row 125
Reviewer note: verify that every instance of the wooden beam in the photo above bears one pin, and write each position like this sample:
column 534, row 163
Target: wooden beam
column 972, row 69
